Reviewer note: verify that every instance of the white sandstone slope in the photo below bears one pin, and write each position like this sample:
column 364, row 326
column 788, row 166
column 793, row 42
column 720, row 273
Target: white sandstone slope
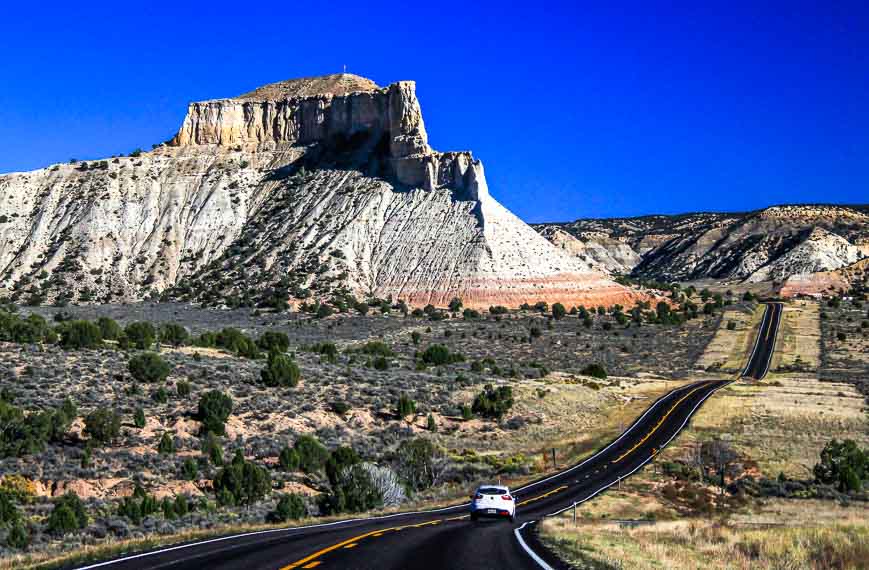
column 307, row 187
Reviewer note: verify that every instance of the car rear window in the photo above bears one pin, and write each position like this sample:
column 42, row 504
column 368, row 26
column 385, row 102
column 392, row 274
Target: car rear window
column 491, row 491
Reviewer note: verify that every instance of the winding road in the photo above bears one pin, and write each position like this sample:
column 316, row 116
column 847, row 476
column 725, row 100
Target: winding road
column 446, row 538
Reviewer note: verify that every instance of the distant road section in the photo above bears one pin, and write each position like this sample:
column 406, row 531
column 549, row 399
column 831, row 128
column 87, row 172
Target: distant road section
column 764, row 344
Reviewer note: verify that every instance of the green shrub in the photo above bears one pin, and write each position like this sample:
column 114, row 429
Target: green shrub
column 341, row 458
column 109, row 329
column 190, row 469
column 148, row 367
column 353, row 492
column 280, row 371
column 212, row 448
column 18, row 536
column 68, row 515
column 8, row 510
column 843, row 464
column 174, row 334
column 327, row 349
column 312, row 454
column 242, row 483
column 214, row 409
column 80, row 334
column 558, row 311
column 273, row 341
column 288, row 459
column 438, row 354
column 405, row 406
column 140, row 335
column 139, row 418
column 375, row 348
column 290, row 507
column 493, row 402
column 595, row 370
column 340, row 408
column 166, row 445
column 102, row 425
column 731, row 325
column 470, row 314
column 182, row 388
column 233, row 340
column 415, row 337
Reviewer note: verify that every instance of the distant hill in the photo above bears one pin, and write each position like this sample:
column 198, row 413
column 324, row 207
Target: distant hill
column 781, row 244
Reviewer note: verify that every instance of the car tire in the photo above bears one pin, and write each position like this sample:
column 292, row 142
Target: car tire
column 512, row 519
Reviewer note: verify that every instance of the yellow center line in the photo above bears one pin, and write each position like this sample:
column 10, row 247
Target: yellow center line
column 313, row 564
column 328, row 549
column 543, row 496
column 353, row 545
column 658, row 425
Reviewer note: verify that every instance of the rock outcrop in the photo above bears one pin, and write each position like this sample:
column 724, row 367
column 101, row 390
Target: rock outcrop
column 776, row 244
column 301, row 189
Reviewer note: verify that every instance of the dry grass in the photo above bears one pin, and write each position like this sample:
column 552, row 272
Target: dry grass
column 783, row 422
column 708, row 544
column 799, row 342
column 729, row 348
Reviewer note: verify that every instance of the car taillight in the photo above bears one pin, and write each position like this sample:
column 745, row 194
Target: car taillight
column 507, row 497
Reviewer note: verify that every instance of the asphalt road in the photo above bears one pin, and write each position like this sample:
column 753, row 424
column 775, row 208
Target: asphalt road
column 761, row 356
column 446, row 538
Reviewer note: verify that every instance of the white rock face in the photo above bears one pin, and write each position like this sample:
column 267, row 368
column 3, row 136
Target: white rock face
column 769, row 245
column 333, row 187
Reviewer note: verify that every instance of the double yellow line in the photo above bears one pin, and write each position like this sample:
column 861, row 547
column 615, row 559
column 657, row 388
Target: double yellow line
column 660, row 422
column 311, row 561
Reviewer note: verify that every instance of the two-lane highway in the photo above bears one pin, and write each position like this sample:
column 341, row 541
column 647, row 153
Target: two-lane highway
column 446, row 538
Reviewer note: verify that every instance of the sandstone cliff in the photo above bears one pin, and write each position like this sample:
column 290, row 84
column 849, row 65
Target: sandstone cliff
column 302, row 188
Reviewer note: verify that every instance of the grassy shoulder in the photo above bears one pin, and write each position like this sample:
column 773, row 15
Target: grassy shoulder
column 775, row 430
column 696, row 543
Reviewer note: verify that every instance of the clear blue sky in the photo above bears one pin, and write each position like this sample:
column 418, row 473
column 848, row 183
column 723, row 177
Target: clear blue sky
column 577, row 109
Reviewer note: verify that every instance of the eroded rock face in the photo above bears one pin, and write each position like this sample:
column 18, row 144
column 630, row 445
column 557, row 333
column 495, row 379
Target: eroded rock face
column 310, row 186
column 782, row 243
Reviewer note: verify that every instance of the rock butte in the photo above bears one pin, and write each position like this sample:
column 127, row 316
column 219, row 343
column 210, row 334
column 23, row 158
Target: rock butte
column 329, row 179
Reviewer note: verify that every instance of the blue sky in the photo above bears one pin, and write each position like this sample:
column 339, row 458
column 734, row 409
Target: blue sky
column 577, row 109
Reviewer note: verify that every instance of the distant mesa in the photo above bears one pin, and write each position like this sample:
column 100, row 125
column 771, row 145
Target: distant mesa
column 313, row 188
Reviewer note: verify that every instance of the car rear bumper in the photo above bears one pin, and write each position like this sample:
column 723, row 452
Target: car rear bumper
column 491, row 512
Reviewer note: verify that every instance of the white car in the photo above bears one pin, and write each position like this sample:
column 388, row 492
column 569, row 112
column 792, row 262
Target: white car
column 493, row 501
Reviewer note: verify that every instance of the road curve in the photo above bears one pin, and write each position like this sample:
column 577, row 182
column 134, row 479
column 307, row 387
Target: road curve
column 446, row 538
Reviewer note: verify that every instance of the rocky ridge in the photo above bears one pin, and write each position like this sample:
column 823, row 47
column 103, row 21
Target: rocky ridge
column 304, row 188
column 777, row 244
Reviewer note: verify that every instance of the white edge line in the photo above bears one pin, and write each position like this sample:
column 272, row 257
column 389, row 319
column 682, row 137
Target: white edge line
column 774, row 338
column 535, row 556
column 382, row 517
column 631, row 427
column 756, row 343
column 540, row 562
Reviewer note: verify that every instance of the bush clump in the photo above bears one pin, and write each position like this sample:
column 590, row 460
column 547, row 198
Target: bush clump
column 594, row 370
column 214, row 409
column 493, row 402
column 241, row 482
column 174, row 334
column 290, row 507
column 80, row 334
column 312, row 454
column 280, row 371
column 140, row 335
column 102, row 425
column 68, row 515
column 438, row 354
column 148, row 367
column 273, row 341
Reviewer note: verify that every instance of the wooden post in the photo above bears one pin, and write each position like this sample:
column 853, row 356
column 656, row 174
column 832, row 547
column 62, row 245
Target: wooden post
column 574, row 514
column 554, row 464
